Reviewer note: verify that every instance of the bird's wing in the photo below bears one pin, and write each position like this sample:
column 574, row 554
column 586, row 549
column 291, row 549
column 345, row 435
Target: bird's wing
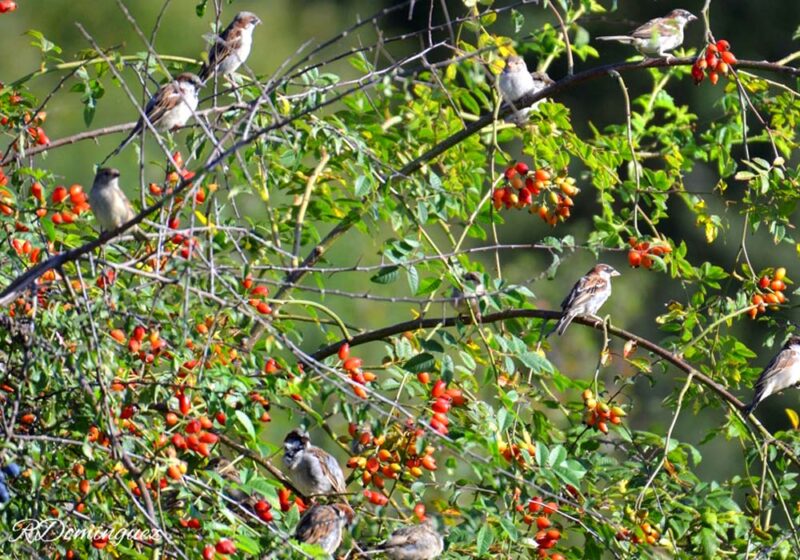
column 333, row 472
column 315, row 524
column 227, row 42
column 164, row 100
column 780, row 363
column 583, row 290
column 658, row 27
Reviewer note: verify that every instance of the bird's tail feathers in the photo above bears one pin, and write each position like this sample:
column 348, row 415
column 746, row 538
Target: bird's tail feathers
column 619, row 38
column 563, row 323
column 757, row 398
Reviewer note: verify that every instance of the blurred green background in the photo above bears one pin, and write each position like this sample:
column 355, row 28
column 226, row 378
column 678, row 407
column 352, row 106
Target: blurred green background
column 756, row 30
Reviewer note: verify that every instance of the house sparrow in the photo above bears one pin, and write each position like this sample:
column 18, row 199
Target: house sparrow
column 313, row 470
column 171, row 107
column 324, row 525
column 515, row 81
column 587, row 295
column 469, row 298
column 110, row 206
column 657, row 36
column 781, row 373
column 414, row 542
column 231, row 48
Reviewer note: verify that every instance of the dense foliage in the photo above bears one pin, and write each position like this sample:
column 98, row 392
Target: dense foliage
column 126, row 367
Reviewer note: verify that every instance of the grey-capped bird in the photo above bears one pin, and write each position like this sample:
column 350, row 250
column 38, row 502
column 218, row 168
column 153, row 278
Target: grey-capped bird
column 230, row 49
column 469, row 298
column 324, row 525
column 110, row 206
column 587, row 295
column 782, row 372
column 313, row 470
column 515, row 81
column 170, row 107
column 657, row 36
column 414, row 542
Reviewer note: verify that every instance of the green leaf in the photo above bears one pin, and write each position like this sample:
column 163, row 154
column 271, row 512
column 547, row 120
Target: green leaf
column 709, row 543
column 386, row 275
column 420, row 362
column 245, row 421
column 484, row 539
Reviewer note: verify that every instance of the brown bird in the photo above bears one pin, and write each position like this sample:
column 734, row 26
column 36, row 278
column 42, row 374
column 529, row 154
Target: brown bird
column 414, row 542
column 658, row 35
column 110, row 206
column 782, row 372
column 324, row 525
column 313, row 470
column 587, row 295
column 231, row 48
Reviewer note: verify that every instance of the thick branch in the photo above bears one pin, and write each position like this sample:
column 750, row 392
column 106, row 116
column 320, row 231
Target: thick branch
column 415, row 324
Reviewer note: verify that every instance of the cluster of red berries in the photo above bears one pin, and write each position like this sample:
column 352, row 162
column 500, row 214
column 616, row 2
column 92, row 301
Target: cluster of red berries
column 599, row 414
column 547, row 536
column 197, row 438
column 644, row 533
column 138, row 343
column 381, row 457
column 24, row 248
column 715, row 60
column 257, row 295
column 513, row 452
column 223, row 546
column 352, row 366
column 536, row 190
column 770, row 292
column 7, row 6
column 444, row 399
column 74, row 196
column 641, row 252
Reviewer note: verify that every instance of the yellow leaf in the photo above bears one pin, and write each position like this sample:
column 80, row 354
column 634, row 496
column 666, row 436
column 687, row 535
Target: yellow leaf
column 200, row 217
column 450, row 72
column 793, row 418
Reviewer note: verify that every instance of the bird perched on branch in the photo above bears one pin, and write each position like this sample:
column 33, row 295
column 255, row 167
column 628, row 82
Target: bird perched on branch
column 324, row 525
column 170, row 107
column 782, row 372
column 468, row 298
column 587, row 295
column 230, row 49
column 414, row 542
column 313, row 471
column 110, row 206
column 657, row 36
column 515, row 82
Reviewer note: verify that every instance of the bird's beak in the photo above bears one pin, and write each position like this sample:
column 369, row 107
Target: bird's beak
column 115, row 173
column 257, row 21
column 691, row 17
column 614, row 272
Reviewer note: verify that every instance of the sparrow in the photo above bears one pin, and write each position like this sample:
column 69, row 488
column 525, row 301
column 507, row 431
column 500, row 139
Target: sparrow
column 469, row 298
column 657, row 36
column 782, row 372
column 312, row 470
column 515, row 81
column 110, row 206
column 324, row 525
column 414, row 542
column 587, row 295
column 170, row 107
column 231, row 48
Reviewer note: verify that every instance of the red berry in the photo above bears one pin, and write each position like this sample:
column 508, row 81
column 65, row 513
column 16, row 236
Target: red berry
column 344, row 351
column 522, row 168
